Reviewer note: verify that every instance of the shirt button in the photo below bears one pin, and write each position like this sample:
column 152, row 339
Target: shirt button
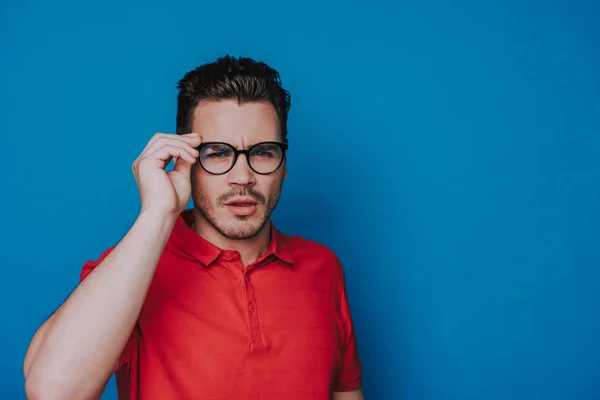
column 251, row 308
column 247, row 278
column 228, row 256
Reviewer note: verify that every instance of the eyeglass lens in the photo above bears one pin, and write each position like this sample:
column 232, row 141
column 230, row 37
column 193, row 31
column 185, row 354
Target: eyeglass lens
column 263, row 158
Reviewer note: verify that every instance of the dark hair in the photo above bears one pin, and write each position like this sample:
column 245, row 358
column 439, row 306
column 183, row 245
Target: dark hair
column 230, row 78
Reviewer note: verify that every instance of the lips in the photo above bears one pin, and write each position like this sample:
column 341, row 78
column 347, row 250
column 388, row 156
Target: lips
column 241, row 203
column 241, row 207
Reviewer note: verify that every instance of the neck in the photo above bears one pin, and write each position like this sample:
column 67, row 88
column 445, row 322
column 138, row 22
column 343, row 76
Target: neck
column 250, row 249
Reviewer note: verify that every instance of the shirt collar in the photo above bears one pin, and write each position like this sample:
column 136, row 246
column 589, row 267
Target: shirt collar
column 207, row 253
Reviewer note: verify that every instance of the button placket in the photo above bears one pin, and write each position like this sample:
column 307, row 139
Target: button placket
column 229, row 255
column 230, row 260
column 254, row 324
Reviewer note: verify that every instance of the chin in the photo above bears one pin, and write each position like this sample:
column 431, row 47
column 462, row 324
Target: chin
column 240, row 232
column 241, row 228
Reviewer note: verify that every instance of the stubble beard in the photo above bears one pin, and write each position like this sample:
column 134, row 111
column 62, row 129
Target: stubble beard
column 243, row 227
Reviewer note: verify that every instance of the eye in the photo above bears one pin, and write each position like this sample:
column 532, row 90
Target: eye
column 216, row 152
column 265, row 151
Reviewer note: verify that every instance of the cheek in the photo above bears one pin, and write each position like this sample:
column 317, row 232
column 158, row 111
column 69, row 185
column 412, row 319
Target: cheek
column 204, row 187
column 273, row 186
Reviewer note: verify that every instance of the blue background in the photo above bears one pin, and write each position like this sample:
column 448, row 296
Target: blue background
column 460, row 186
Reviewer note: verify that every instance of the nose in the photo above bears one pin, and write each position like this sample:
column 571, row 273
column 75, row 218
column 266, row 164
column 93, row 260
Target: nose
column 241, row 174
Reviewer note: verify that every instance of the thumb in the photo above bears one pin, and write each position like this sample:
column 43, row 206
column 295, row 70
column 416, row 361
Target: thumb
column 183, row 167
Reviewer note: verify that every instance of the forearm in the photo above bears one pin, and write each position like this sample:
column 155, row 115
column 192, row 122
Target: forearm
column 351, row 395
column 78, row 349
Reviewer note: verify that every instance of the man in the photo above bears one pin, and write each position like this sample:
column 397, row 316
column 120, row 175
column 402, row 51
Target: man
column 211, row 302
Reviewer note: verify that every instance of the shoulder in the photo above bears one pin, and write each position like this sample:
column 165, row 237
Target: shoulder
column 310, row 252
column 299, row 245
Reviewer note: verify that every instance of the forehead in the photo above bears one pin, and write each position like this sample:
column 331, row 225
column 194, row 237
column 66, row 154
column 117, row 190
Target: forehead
column 238, row 124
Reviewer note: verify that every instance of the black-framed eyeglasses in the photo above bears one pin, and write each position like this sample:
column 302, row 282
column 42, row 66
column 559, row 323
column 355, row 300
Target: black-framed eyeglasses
column 264, row 158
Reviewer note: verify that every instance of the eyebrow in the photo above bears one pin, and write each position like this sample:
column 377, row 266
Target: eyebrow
column 248, row 145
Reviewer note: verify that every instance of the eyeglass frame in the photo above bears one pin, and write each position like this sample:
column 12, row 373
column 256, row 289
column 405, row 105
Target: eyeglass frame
column 236, row 153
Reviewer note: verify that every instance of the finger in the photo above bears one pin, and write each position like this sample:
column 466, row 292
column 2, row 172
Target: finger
column 169, row 140
column 161, row 139
column 193, row 138
column 173, row 143
column 183, row 166
column 163, row 155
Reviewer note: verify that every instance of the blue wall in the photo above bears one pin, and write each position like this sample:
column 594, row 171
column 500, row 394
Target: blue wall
column 461, row 191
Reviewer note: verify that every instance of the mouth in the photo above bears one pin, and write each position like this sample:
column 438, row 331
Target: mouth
column 242, row 207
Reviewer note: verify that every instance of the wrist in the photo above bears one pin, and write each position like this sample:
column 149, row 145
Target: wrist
column 157, row 218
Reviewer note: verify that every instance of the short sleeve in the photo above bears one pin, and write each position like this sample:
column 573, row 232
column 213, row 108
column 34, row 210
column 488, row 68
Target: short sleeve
column 87, row 269
column 350, row 374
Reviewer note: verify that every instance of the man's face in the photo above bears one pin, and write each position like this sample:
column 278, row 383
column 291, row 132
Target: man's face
column 239, row 203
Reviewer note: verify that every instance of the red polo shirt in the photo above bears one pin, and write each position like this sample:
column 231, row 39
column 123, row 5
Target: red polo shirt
column 211, row 329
